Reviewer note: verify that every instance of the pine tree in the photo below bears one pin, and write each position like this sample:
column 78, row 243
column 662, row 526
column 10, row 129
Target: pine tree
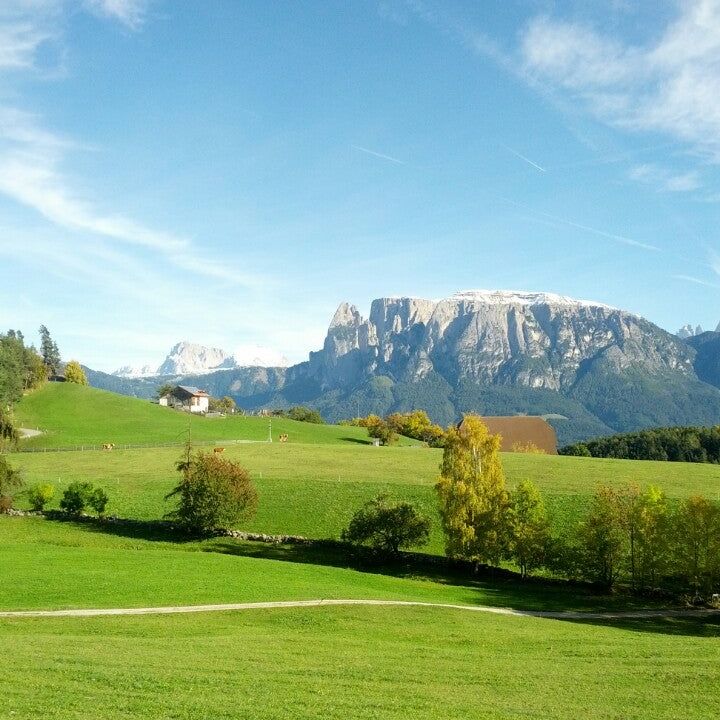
column 471, row 489
column 49, row 351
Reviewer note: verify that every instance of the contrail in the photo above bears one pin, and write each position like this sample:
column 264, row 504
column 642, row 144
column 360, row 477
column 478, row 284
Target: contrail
column 378, row 155
column 611, row 236
column 522, row 157
column 696, row 281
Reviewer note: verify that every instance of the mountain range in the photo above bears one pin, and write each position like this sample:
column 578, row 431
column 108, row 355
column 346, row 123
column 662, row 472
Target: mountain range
column 589, row 368
column 188, row 358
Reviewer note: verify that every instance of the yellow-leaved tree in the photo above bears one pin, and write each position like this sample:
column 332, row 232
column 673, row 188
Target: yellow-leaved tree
column 75, row 374
column 471, row 490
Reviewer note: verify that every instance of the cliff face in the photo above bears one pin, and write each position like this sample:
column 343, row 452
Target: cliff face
column 531, row 340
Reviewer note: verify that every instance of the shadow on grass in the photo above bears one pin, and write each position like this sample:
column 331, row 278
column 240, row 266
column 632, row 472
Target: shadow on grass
column 703, row 626
column 357, row 441
column 486, row 586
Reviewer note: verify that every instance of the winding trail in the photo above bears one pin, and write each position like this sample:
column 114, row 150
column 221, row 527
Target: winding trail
column 179, row 609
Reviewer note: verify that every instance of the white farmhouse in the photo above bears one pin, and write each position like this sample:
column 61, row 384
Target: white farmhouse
column 187, row 398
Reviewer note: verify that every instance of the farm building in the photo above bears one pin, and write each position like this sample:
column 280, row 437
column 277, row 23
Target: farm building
column 522, row 432
column 187, row 398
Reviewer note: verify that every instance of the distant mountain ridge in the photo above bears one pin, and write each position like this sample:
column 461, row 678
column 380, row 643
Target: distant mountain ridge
column 593, row 368
column 187, row 358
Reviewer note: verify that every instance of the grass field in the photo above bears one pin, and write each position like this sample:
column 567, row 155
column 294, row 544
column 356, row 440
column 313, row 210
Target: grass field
column 343, row 662
column 323, row 662
column 352, row 663
column 71, row 415
column 313, row 489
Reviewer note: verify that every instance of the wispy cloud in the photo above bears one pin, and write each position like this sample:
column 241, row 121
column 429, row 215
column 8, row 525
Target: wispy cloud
column 522, row 157
column 382, row 156
column 130, row 13
column 696, row 281
column 714, row 261
column 670, row 85
column 664, row 179
column 32, row 157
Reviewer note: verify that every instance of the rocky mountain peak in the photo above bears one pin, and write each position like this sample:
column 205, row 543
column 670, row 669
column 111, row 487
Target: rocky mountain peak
column 188, row 358
column 529, row 339
column 687, row 331
column 345, row 315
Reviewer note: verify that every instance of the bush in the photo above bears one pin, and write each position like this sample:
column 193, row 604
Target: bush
column 98, row 500
column 40, row 495
column 76, row 497
column 214, row 492
column 10, row 481
column 378, row 428
column 387, row 525
column 304, row 414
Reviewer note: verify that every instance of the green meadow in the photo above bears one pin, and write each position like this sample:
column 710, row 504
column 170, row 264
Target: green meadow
column 313, row 489
column 320, row 662
column 71, row 415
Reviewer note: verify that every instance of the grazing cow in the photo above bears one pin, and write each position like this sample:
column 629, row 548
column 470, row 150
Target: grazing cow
column 284, row 437
column 218, row 450
column 108, row 446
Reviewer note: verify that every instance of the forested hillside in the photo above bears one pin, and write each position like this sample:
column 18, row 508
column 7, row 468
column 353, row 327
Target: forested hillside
column 676, row 444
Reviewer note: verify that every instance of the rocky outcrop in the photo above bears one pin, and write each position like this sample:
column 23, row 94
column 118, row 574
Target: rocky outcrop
column 534, row 340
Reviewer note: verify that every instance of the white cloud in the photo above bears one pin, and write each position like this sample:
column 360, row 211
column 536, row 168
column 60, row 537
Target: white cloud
column 32, row 157
column 671, row 85
column 129, row 12
column 664, row 179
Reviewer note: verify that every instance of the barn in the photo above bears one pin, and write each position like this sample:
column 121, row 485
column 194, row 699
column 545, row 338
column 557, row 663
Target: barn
column 521, row 431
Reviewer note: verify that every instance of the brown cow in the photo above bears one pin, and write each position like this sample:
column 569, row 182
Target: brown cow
column 108, row 446
column 218, row 450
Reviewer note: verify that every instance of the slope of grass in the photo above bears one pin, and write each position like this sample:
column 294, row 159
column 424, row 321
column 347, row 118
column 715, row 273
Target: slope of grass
column 313, row 490
column 50, row 564
column 352, row 663
column 71, row 415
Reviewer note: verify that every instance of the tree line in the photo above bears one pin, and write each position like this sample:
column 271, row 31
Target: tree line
column 627, row 535
column 24, row 368
column 415, row 424
column 674, row 444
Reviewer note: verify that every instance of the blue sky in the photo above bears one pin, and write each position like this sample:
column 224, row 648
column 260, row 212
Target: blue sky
column 227, row 172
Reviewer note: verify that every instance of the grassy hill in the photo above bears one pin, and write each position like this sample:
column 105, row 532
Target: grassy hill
column 313, row 489
column 72, row 415
column 323, row 662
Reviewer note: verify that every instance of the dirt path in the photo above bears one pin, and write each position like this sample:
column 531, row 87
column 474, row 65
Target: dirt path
column 26, row 433
column 170, row 610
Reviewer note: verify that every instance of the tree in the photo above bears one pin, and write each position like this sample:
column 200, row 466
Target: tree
column 35, row 370
column 10, row 481
column 304, row 414
column 378, row 428
column 389, row 525
column 471, row 490
column 98, row 500
column 213, row 492
column 697, row 543
column 649, row 537
column 40, row 495
column 77, row 497
column 49, row 351
column 529, row 529
column 9, row 435
column 75, row 374
column 602, row 539
column 164, row 389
